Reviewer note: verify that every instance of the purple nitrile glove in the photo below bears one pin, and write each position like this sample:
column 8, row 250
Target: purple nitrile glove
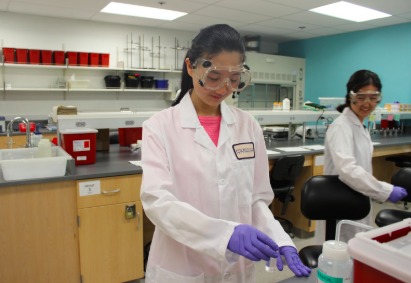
column 251, row 243
column 293, row 261
column 397, row 194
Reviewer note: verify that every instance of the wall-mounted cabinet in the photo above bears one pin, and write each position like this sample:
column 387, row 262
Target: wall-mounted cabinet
column 261, row 96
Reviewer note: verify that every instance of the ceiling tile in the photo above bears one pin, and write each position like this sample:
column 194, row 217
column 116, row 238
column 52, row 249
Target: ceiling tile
column 388, row 21
column 230, row 14
column 175, row 5
column 305, row 4
column 326, row 31
column 286, row 24
column 205, row 1
column 392, row 7
column 128, row 20
column 316, row 19
column 3, row 5
column 353, row 27
column 201, row 20
column 259, row 7
column 182, row 26
column 407, row 15
column 257, row 29
column 301, row 35
column 32, row 9
column 93, row 5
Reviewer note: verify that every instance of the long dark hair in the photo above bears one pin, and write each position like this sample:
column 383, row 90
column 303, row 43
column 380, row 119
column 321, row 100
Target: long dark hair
column 358, row 80
column 211, row 41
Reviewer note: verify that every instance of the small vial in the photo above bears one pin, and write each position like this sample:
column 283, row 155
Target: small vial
column 280, row 106
column 271, row 265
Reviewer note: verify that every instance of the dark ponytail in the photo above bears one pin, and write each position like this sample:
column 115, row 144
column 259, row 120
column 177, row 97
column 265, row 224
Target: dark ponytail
column 211, row 41
column 357, row 81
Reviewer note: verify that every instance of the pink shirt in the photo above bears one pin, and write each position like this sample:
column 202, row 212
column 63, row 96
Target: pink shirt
column 212, row 127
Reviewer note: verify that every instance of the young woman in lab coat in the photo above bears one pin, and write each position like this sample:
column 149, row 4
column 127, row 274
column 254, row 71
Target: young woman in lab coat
column 348, row 149
column 205, row 184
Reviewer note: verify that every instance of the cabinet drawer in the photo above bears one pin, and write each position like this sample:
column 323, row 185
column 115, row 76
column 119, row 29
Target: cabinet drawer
column 113, row 190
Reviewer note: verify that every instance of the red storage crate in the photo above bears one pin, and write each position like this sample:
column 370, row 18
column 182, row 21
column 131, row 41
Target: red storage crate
column 34, row 56
column 22, row 56
column 45, row 57
column 128, row 136
column 80, row 144
column 9, row 54
column 105, row 59
column 94, row 59
column 83, row 59
column 72, row 57
column 58, row 57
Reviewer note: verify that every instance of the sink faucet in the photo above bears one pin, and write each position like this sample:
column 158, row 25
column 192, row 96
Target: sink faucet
column 27, row 123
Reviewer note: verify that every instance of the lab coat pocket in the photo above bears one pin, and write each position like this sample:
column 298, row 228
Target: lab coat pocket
column 244, row 181
column 164, row 276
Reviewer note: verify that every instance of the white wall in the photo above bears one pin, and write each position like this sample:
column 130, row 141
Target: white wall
column 26, row 31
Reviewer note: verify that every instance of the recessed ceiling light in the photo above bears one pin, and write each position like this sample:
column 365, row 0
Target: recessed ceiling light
column 141, row 11
column 349, row 11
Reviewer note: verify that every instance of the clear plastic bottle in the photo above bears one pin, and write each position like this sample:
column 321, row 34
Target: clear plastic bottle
column 334, row 264
column 280, row 106
column 275, row 106
column 271, row 264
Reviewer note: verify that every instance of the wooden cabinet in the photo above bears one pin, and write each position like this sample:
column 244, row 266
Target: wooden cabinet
column 318, row 166
column 19, row 141
column 111, row 246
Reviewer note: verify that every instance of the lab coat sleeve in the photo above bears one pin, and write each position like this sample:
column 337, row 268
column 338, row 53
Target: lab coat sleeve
column 179, row 220
column 340, row 139
column 263, row 218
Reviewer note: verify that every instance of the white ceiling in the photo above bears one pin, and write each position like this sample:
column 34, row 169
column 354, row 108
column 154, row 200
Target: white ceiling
column 274, row 20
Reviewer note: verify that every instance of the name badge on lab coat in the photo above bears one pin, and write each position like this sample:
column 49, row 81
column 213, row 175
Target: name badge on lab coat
column 244, row 150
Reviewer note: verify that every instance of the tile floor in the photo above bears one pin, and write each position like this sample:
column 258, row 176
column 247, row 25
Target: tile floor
column 265, row 277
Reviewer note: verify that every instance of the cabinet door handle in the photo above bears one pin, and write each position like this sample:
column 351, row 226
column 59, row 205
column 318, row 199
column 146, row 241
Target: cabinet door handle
column 109, row 192
column 138, row 217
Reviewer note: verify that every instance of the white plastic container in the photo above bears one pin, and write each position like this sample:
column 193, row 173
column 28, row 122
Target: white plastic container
column 78, row 84
column 44, row 149
column 334, row 264
column 21, row 164
column 286, row 104
column 35, row 139
column 331, row 102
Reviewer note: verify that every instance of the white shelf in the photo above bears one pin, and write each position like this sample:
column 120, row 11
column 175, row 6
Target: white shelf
column 28, row 66
column 97, row 89
column 149, row 90
column 94, row 68
column 151, row 70
column 36, row 89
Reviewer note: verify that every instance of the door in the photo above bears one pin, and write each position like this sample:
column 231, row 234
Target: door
column 111, row 246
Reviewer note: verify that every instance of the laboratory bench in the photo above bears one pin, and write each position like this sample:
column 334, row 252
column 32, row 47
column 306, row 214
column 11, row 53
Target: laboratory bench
column 58, row 235
column 310, row 279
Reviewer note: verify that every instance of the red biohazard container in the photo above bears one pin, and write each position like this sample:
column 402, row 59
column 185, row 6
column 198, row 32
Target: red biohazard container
column 80, row 144
column 83, row 59
column 382, row 255
column 105, row 59
column 22, row 55
column 45, row 57
column 58, row 57
column 94, row 59
column 72, row 57
column 128, row 136
column 22, row 127
column 34, row 56
column 9, row 55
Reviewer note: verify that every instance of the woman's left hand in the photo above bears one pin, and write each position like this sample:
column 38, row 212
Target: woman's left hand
column 293, row 261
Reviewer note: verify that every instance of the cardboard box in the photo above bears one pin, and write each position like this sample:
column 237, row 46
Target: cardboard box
column 103, row 140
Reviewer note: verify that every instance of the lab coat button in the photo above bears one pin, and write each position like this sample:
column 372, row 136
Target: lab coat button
column 223, row 182
column 227, row 275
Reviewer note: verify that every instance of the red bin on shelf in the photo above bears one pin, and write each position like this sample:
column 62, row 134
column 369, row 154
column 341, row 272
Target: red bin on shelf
column 22, row 56
column 83, row 59
column 128, row 136
column 9, row 55
column 34, row 56
column 45, row 57
column 80, row 144
column 72, row 58
column 58, row 57
column 105, row 59
column 94, row 59
column 22, row 127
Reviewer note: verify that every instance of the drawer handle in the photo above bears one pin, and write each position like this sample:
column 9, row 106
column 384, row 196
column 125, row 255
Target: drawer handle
column 138, row 217
column 109, row 192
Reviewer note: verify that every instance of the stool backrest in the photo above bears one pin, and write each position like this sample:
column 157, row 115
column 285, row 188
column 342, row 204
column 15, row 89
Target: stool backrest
column 287, row 168
column 402, row 178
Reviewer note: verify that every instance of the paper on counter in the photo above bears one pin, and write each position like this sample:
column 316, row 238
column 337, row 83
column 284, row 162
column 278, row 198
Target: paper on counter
column 292, row 149
column 314, row 147
column 272, row 152
column 137, row 163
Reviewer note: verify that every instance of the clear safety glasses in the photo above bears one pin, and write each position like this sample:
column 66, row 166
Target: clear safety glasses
column 361, row 97
column 214, row 77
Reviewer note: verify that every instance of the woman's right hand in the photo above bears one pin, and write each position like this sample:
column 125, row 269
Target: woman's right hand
column 397, row 194
column 251, row 243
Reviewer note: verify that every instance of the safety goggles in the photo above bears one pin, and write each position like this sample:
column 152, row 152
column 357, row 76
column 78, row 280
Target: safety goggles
column 362, row 97
column 214, row 77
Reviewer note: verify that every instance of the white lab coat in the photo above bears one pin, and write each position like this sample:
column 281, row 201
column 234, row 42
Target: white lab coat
column 196, row 194
column 348, row 153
